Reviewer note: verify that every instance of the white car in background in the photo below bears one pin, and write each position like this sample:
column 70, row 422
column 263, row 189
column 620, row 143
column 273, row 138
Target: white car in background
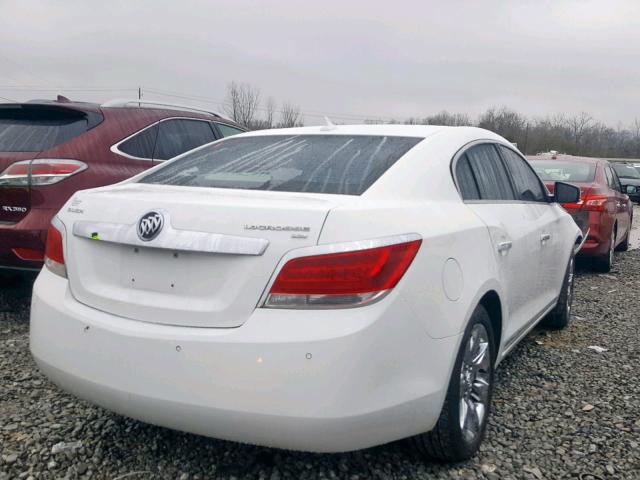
column 320, row 288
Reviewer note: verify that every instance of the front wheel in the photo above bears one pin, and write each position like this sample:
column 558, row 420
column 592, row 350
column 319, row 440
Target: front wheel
column 560, row 316
column 463, row 419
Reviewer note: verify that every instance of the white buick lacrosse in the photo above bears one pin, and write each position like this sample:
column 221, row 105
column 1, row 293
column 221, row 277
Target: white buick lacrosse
column 320, row 288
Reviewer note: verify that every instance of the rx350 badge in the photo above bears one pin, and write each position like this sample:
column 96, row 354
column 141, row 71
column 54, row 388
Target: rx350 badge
column 150, row 225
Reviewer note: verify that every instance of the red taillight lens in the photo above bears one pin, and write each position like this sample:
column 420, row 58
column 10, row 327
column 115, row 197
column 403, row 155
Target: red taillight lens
column 341, row 279
column 53, row 252
column 40, row 172
column 596, row 203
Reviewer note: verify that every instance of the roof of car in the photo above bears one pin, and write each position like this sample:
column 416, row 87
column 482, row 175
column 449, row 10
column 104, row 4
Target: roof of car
column 422, row 131
column 169, row 109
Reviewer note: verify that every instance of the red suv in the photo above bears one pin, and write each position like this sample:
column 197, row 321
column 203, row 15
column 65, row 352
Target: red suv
column 51, row 149
column 603, row 210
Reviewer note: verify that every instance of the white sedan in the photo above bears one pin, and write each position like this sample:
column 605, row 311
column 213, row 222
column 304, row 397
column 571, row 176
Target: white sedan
column 320, row 288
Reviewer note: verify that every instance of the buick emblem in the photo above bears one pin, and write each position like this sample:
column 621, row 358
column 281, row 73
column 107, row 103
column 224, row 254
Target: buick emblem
column 150, row 226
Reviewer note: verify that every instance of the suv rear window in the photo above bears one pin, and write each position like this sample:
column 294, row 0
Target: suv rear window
column 27, row 129
column 339, row 164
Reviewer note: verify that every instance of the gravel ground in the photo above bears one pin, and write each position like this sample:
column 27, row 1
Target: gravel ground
column 561, row 410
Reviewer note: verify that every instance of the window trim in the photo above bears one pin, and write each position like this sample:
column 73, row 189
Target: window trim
column 466, row 147
column 115, row 147
column 545, row 192
column 462, row 151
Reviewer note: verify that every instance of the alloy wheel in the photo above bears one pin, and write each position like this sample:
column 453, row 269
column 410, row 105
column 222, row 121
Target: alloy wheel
column 475, row 375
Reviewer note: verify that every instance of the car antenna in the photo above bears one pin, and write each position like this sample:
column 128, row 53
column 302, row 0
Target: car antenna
column 329, row 125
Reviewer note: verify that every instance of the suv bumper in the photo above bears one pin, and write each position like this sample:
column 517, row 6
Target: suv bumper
column 29, row 233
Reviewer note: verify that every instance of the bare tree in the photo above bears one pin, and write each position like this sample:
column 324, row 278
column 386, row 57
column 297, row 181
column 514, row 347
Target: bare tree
column 242, row 102
column 290, row 116
column 446, row 118
column 270, row 109
column 578, row 125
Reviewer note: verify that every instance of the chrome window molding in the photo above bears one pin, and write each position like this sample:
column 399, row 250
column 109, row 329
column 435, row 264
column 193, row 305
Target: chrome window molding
column 115, row 147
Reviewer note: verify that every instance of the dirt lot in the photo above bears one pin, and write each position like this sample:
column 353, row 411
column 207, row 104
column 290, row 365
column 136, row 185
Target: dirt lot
column 561, row 410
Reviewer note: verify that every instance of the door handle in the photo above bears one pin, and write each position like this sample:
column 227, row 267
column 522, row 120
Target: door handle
column 544, row 237
column 504, row 246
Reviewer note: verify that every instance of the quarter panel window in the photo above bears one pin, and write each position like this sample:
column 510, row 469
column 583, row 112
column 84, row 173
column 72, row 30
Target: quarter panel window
column 526, row 182
column 178, row 136
column 142, row 144
column 609, row 175
column 490, row 174
column 228, row 130
column 466, row 180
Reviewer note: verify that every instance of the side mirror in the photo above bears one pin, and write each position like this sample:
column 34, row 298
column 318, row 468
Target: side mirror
column 631, row 190
column 566, row 193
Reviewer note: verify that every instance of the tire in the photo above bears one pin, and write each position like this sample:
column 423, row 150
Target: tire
column 624, row 245
column 604, row 263
column 449, row 441
column 560, row 316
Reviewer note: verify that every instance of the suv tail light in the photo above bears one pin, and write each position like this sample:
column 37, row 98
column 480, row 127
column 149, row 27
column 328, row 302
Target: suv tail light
column 54, row 250
column 40, row 172
column 343, row 279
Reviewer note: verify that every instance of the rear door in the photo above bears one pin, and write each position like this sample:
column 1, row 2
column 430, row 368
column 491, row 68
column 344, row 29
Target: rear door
column 513, row 228
column 25, row 131
column 548, row 220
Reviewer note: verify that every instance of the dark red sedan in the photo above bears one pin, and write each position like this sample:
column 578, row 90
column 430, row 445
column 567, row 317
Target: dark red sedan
column 603, row 210
column 51, row 149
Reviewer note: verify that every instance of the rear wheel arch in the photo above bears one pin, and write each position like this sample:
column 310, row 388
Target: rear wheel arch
column 493, row 305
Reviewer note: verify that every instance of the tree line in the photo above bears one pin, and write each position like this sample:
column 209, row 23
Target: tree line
column 244, row 105
column 577, row 134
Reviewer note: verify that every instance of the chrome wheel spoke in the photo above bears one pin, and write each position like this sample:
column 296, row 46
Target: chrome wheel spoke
column 464, row 413
column 474, row 382
column 480, row 391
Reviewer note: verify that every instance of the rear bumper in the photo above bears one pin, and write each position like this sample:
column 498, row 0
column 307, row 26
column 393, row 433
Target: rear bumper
column 29, row 233
column 599, row 233
column 324, row 381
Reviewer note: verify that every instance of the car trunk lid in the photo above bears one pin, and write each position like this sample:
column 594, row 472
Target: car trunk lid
column 209, row 264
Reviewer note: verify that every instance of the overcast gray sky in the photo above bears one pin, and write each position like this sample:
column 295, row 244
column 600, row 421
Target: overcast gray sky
column 357, row 59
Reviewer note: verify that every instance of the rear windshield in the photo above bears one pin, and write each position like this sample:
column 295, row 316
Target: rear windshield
column 626, row 171
column 35, row 130
column 341, row 164
column 558, row 171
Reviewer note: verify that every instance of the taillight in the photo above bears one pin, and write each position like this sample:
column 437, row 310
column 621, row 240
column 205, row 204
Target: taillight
column 54, row 252
column 344, row 279
column 595, row 203
column 40, row 172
